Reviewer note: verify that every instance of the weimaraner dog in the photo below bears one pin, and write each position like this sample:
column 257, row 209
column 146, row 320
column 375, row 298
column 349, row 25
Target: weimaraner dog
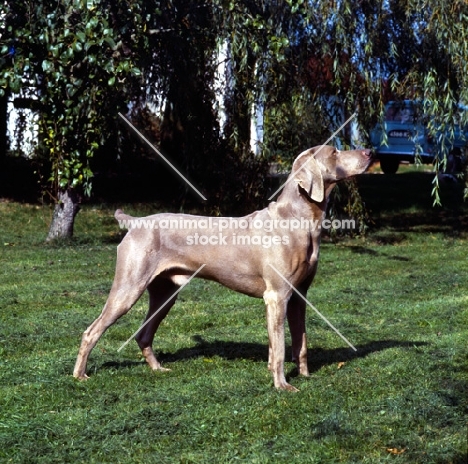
column 266, row 254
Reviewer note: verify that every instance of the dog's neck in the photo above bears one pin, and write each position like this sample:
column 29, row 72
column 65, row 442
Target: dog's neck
column 294, row 202
column 294, row 194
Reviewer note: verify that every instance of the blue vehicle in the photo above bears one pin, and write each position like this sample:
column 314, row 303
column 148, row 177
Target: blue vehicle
column 404, row 136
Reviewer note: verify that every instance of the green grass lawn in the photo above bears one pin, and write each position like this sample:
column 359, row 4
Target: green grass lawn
column 399, row 295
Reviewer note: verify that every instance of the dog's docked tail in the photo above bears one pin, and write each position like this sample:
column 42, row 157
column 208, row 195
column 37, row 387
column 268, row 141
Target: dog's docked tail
column 125, row 220
column 121, row 216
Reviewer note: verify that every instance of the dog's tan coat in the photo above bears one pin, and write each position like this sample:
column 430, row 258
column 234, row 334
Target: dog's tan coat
column 160, row 260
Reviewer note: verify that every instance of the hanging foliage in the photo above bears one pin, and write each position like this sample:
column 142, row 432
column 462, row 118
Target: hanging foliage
column 301, row 66
column 79, row 59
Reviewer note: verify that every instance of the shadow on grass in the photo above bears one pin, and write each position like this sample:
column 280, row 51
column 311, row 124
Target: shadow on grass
column 317, row 357
column 403, row 203
column 369, row 251
column 460, row 458
column 118, row 365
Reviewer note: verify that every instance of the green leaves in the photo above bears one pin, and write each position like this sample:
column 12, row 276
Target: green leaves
column 47, row 66
column 81, row 80
column 87, row 58
column 81, row 36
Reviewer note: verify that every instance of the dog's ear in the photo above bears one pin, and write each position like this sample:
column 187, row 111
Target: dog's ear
column 310, row 178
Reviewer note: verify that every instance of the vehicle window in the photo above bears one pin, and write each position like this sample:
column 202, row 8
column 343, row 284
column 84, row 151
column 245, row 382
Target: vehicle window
column 460, row 117
column 402, row 115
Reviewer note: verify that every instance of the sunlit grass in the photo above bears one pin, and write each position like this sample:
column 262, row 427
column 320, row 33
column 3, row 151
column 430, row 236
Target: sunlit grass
column 399, row 295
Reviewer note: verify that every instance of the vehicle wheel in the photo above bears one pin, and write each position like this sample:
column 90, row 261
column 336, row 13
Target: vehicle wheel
column 389, row 165
column 454, row 162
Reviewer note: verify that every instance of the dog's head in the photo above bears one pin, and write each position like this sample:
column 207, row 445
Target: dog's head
column 320, row 167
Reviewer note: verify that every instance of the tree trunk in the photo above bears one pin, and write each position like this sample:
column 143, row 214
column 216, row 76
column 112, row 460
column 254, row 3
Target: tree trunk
column 3, row 127
column 63, row 219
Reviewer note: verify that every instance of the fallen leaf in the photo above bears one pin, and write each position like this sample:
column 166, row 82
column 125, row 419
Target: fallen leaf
column 396, row 450
column 341, row 364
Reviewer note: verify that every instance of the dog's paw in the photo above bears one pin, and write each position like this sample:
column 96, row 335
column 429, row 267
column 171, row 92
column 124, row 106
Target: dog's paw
column 286, row 387
column 161, row 369
column 290, row 388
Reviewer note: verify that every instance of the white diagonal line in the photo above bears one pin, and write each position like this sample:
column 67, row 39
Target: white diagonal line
column 161, row 155
column 318, row 151
column 313, row 307
column 164, row 304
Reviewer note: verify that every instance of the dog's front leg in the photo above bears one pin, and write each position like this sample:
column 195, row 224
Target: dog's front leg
column 276, row 313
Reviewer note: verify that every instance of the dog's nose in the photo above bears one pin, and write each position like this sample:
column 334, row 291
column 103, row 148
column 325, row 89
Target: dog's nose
column 368, row 153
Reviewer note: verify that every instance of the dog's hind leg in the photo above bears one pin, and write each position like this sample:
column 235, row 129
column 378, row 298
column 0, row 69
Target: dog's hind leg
column 297, row 327
column 132, row 276
column 120, row 301
column 160, row 302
